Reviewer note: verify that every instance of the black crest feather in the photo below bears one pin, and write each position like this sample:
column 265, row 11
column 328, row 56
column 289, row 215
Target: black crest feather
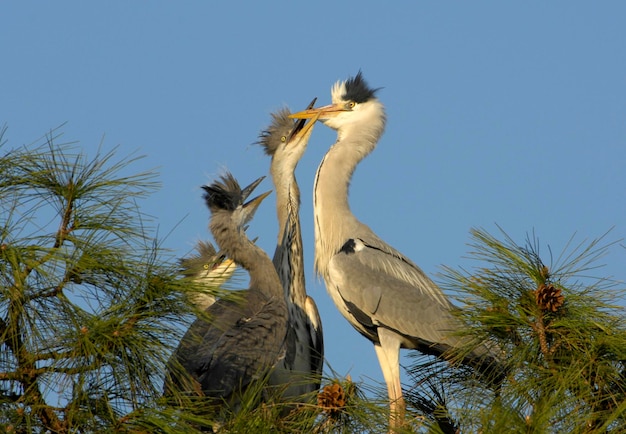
column 357, row 89
column 224, row 193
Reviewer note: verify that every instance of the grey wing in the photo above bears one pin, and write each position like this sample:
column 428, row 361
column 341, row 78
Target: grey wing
column 316, row 336
column 195, row 351
column 245, row 351
column 396, row 264
column 182, row 364
column 381, row 288
column 240, row 345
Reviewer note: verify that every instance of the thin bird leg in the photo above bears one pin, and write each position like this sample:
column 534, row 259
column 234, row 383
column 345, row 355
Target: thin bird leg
column 388, row 352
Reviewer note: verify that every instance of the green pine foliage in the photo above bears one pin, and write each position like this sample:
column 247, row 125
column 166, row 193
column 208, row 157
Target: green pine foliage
column 91, row 308
column 561, row 333
column 89, row 304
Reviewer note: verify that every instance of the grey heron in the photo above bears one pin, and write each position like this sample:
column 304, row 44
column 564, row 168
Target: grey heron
column 285, row 141
column 243, row 337
column 382, row 293
column 208, row 270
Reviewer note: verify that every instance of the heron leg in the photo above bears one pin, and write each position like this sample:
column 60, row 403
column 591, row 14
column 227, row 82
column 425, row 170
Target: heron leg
column 388, row 352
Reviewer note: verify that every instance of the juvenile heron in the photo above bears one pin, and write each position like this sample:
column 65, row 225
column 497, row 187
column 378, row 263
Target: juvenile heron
column 381, row 292
column 208, row 270
column 244, row 337
column 285, row 141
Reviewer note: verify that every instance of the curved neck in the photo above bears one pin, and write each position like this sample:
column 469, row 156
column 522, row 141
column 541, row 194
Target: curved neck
column 287, row 198
column 334, row 222
column 236, row 245
column 288, row 257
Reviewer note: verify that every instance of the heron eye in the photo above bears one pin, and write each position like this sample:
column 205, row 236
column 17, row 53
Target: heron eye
column 283, row 138
column 205, row 266
column 350, row 105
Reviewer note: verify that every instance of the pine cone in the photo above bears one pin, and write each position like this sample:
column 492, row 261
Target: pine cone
column 332, row 399
column 549, row 297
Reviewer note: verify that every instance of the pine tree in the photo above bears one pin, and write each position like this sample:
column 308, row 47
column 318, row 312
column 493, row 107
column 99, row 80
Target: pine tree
column 562, row 334
column 91, row 308
column 90, row 305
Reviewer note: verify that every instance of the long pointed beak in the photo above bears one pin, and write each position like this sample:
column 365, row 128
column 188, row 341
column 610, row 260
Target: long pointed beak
column 312, row 103
column 226, row 264
column 299, row 124
column 223, row 265
column 250, row 188
column 325, row 112
column 223, row 260
column 251, row 206
column 304, row 132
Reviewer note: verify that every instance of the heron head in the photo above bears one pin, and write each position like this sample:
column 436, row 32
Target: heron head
column 207, row 265
column 225, row 195
column 285, row 137
column 353, row 103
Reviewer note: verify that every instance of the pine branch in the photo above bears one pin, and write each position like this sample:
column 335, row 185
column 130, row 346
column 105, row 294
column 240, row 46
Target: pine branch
column 51, row 339
column 562, row 336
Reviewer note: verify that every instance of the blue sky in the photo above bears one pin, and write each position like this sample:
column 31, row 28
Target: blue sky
column 504, row 113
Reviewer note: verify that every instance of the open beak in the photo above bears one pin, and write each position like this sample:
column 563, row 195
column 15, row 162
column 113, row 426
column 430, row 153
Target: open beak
column 303, row 131
column 224, row 265
column 250, row 188
column 251, row 206
column 322, row 113
column 299, row 124
column 223, row 261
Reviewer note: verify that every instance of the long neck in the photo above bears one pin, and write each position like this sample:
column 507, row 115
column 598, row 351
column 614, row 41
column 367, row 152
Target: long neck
column 247, row 255
column 288, row 257
column 334, row 222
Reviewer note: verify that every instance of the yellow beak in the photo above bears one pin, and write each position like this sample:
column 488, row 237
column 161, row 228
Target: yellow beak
column 304, row 132
column 322, row 113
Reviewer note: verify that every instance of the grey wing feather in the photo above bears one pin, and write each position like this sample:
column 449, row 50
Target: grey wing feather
column 392, row 292
column 394, row 263
column 238, row 346
column 317, row 335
